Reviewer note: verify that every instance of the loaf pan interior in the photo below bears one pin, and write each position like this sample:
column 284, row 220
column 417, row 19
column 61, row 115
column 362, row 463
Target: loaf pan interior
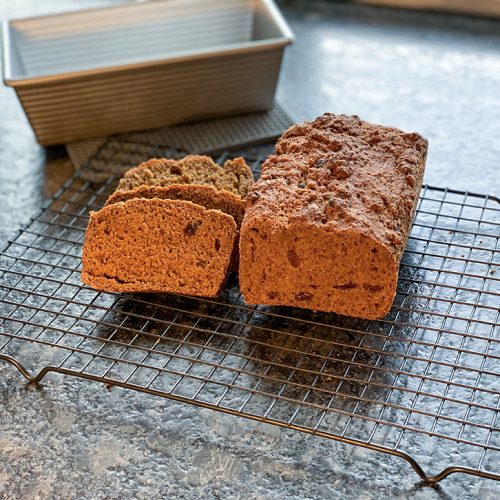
column 136, row 34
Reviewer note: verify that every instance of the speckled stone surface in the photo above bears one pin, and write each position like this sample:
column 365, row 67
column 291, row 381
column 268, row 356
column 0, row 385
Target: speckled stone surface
column 72, row 439
column 77, row 439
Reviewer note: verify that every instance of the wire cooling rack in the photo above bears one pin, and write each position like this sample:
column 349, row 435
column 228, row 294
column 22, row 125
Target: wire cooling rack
column 423, row 382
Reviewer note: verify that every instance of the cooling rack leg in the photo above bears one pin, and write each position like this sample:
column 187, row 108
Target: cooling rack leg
column 464, row 470
column 416, row 467
column 427, row 480
column 19, row 366
column 35, row 380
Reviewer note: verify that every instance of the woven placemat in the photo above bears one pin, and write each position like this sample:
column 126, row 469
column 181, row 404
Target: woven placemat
column 198, row 138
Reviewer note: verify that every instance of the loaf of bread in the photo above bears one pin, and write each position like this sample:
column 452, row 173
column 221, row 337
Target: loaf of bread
column 326, row 224
column 235, row 176
column 158, row 245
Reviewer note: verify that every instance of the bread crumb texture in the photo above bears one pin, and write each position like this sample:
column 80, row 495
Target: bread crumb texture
column 204, row 195
column 158, row 245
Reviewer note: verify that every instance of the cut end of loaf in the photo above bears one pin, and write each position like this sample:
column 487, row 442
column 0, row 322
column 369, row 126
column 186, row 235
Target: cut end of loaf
column 153, row 245
column 343, row 272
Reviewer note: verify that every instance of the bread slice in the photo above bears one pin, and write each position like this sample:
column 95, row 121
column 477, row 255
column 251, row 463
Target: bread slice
column 158, row 245
column 327, row 222
column 206, row 196
column 235, row 176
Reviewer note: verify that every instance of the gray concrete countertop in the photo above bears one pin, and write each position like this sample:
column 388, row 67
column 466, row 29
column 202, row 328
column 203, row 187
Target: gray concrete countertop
column 435, row 74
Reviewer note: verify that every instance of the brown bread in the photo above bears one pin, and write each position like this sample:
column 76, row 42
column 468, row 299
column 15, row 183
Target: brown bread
column 154, row 245
column 326, row 224
column 206, row 196
column 235, row 176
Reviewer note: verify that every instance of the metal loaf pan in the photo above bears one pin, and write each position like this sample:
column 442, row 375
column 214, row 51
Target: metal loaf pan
column 139, row 66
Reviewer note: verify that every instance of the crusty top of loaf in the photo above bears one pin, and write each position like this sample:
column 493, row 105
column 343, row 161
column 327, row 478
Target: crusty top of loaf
column 235, row 176
column 339, row 172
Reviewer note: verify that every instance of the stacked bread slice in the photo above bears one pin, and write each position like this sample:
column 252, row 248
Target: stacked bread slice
column 171, row 226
